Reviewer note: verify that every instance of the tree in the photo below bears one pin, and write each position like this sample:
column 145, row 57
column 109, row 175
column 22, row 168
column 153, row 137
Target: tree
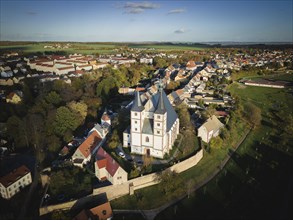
column 114, row 140
column 65, row 120
column 169, row 182
column 53, row 143
column 53, row 98
column 17, row 130
column 79, row 108
column 216, row 142
column 184, row 116
column 252, row 114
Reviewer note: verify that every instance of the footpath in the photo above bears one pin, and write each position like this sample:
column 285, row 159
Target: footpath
column 152, row 213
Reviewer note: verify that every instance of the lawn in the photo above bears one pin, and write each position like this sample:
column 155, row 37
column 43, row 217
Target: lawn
column 257, row 182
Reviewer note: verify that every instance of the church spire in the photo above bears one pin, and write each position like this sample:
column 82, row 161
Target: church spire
column 161, row 105
column 137, row 106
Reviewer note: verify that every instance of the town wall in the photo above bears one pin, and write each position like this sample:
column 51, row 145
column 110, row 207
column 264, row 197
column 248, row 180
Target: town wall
column 129, row 187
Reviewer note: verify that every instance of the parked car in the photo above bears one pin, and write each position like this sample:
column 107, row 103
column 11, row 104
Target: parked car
column 121, row 154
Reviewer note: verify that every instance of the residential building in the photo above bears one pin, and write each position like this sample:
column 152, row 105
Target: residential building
column 154, row 125
column 83, row 153
column 14, row 181
column 106, row 168
column 13, row 98
column 96, row 138
column 102, row 210
column 211, row 128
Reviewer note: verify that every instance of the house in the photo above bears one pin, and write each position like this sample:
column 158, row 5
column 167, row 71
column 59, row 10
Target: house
column 102, row 210
column 13, row 98
column 83, row 153
column 14, row 181
column 106, row 168
column 96, row 137
column 154, row 124
column 190, row 65
column 211, row 128
column 146, row 60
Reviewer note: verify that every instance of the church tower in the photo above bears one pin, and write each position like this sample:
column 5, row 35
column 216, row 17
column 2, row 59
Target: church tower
column 136, row 124
column 160, row 123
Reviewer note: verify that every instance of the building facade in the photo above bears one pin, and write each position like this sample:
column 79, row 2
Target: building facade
column 14, row 181
column 154, row 125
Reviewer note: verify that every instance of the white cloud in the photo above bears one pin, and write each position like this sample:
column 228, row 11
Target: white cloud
column 138, row 7
column 176, row 11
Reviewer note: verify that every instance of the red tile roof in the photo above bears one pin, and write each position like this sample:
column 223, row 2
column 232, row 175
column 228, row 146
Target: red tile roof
column 103, row 211
column 14, row 175
column 111, row 166
column 90, row 143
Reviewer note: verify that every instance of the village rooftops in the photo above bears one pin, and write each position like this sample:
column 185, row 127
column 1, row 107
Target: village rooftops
column 14, row 175
column 90, row 143
column 104, row 160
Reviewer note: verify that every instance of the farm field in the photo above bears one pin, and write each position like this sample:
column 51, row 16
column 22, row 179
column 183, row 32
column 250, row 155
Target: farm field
column 84, row 48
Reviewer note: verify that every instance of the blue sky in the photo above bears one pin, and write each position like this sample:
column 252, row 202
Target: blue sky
column 192, row 21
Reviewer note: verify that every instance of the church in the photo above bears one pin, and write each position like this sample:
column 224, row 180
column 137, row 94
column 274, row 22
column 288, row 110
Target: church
column 154, row 125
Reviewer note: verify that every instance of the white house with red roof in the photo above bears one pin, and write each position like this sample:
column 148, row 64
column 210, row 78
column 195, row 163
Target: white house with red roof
column 83, row 153
column 96, row 137
column 15, row 181
column 106, row 168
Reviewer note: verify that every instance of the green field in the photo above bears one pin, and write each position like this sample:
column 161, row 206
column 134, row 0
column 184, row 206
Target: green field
column 84, row 48
column 166, row 47
column 257, row 182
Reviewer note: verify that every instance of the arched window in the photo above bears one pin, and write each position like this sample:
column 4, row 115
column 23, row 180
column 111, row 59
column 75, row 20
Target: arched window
column 147, row 139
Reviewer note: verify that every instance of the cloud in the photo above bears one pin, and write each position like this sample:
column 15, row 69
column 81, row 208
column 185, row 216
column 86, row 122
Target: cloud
column 176, row 11
column 138, row 7
column 134, row 11
column 181, row 31
column 32, row 13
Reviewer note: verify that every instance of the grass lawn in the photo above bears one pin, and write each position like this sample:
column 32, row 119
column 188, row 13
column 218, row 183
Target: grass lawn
column 257, row 182
column 286, row 77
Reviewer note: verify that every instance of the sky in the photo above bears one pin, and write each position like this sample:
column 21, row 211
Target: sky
column 137, row 21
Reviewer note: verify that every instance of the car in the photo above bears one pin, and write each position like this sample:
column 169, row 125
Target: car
column 139, row 162
column 121, row 154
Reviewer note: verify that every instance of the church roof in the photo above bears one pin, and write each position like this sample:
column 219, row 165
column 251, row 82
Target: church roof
column 148, row 126
column 161, row 105
column 137, row 106
column 171, row 114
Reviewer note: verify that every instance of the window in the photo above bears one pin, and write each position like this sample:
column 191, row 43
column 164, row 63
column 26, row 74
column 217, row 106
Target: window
column 159, row 117
column 135, row 114
column 158, row 124
column 135, row 122
column 135, row 129
column 158, row 132
column 147, row 139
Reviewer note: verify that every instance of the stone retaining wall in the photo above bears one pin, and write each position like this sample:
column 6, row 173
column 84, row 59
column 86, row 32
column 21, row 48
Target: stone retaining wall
column 116, row 191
